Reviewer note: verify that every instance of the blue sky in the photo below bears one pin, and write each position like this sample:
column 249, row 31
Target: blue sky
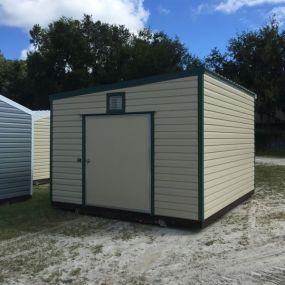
column 201, row 25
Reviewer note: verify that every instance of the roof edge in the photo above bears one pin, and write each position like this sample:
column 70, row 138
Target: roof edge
column 232, row 83
column 16, row 105
column 40, row 114
column 128, row 83
column 148, row 80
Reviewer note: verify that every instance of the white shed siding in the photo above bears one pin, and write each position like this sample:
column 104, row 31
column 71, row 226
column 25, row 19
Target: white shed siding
column 175, row 103
column 228, row 144
column 41, row 148
column 15, row 150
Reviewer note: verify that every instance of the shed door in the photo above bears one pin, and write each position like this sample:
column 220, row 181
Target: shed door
column 118, row 162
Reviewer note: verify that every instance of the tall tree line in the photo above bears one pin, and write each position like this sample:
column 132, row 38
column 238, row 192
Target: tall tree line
column 71, row 54
column 256, row 60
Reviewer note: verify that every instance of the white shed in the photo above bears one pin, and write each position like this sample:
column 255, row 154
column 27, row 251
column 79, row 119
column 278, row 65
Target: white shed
column 177, row 147
column 15, row 151
column 41, row 150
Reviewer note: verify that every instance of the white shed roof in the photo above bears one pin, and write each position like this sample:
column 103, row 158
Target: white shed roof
column 16, row 105
column 40, row 114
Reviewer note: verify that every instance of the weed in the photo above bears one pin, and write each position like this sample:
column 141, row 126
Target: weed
column 97, row 249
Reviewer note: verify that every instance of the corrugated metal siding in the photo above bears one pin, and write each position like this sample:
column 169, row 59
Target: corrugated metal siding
column 15, row 152
column 41, row 149
column 176, row 146
column 228, row 144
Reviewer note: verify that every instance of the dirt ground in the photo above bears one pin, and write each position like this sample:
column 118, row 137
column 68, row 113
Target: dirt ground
column 246, row 246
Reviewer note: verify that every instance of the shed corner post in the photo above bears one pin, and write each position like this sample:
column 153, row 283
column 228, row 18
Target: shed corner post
column 152, row 164
column 51, row 148
column 201, row 146
column 83, row 159
column 32, row 153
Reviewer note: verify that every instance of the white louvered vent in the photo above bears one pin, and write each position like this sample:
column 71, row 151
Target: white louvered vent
column 116, row 103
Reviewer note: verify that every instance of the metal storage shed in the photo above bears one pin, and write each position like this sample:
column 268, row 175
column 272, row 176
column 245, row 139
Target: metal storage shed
column 41, row 149
column 177, row 147
column 15, row 150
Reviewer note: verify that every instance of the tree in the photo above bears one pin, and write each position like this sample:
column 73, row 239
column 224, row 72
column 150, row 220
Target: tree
column 13, row 79
column 256, row 60
column 72, row 54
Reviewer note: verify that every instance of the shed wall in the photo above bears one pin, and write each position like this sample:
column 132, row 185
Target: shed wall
column 175, row 103
column 228, row 144
column 41, row 149
column 15, row 152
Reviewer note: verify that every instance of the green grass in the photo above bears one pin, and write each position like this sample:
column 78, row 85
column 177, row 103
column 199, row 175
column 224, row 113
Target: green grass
column 275, row 154
column 30, row 216
column 273, row 177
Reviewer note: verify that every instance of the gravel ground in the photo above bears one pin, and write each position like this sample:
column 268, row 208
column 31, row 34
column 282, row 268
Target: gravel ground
column 246, row 246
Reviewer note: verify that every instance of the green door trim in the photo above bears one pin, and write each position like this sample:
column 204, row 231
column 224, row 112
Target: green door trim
column 152, row 152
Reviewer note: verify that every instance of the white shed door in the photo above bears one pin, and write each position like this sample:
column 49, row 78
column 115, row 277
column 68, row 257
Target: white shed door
column 118, row 162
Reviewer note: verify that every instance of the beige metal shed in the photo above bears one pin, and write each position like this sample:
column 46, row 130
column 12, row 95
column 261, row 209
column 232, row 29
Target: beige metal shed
column 41, row 146
column 177, row 148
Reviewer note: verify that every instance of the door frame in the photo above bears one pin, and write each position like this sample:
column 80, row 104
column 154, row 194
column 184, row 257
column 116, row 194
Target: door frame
column 152, row 170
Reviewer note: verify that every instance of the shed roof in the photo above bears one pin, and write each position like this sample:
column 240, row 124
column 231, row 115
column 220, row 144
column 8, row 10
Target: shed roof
column 37, row 115
column 148, row 80
column 16, row 105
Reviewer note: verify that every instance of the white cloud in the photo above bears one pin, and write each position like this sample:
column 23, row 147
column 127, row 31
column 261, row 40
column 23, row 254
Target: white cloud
column 163, row 11
column 279, row 13
column 231, row 6
column 25, row 13
column 24, row 52
column 203, row 8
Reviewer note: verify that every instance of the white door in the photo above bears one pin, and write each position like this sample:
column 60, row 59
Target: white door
column 118, row 162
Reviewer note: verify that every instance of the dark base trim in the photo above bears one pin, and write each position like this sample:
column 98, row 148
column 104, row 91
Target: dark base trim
column 226, row 209
column 130, row 216
column 147, row 218
column 15, row 199
column 41, row 181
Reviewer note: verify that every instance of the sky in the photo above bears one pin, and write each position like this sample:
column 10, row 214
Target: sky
column 200, row 25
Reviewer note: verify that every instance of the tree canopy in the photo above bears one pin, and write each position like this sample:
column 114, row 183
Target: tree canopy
column 256, row 60
column 13, row 78
column 71, row 54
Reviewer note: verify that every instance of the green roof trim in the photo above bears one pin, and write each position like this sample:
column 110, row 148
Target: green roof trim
column 230, row 82
column 147, row 80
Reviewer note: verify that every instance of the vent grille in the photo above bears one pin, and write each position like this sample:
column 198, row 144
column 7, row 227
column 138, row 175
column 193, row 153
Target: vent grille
column 116, row 102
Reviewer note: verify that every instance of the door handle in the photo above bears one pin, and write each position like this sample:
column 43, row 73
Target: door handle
column 88, row 160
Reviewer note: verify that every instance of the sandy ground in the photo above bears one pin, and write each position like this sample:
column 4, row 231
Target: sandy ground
column 270, row 160
column 247, row 246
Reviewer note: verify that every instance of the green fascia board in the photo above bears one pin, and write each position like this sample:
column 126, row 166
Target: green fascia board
column 148, row 80
column 230, row 82
column 127, row 84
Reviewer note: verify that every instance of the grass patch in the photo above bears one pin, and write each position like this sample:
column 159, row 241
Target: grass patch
column 20, row 260
column 81, row 229
column 30, row 216
column 210, row 242
column 275, row 154
column 270, row 176
column 97, row 249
